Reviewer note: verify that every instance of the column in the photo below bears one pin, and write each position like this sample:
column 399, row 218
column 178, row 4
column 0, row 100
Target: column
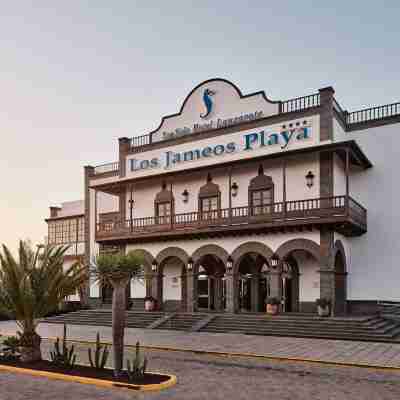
column 156, row 288
column 275, row 284
column 230, row 292
column 255, row 293
column 191, row 292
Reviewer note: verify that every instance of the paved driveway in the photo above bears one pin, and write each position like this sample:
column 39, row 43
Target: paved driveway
column 380, row 354
column 202, row 377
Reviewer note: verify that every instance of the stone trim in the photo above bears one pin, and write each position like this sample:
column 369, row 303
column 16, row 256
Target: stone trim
column 172, row 252
column 310, row 246
column 209, row 249
column 249, row 247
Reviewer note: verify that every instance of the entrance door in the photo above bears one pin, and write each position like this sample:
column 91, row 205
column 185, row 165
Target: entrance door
column 202, row 290
column 287, row 294
column 245, row 293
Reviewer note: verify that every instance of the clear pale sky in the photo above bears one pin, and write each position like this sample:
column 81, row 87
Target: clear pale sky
column 76, row 75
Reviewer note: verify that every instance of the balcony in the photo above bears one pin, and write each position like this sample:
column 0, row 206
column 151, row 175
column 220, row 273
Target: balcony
column 342, row 213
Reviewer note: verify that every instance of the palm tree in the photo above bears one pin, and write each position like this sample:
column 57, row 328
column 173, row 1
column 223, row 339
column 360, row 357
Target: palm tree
column 117, row 270
column 34, row 285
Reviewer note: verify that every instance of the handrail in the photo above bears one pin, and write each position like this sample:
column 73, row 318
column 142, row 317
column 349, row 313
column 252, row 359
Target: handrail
column 105, row 168
column 300, row 103
column 373, row 113
column 279, row 211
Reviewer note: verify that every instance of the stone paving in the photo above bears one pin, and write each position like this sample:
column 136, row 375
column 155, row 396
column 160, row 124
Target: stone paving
column 210, row 377
column 378, row 354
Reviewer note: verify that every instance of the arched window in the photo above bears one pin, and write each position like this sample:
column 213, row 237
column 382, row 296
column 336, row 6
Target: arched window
column 261, row 193
column 164, row 205
column 209, row 200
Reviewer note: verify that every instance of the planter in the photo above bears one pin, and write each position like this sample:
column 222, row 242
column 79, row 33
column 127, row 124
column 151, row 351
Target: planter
column 272, row 309
column 149, row 305
column 323, row 311
column 88, row 375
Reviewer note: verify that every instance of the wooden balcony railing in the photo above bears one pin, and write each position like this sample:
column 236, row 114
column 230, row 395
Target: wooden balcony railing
column 342, row 210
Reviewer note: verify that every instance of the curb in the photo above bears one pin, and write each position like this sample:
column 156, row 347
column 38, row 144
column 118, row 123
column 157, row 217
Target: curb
column 92, row 381
column 249, row 355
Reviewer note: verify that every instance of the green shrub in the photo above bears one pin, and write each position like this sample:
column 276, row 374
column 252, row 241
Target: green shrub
column 137, row 369
column 101, row 354
column 64, row 357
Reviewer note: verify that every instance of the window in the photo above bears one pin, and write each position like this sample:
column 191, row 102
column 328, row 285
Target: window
column 261, row 201
column 261, row 194
column 209, row 200
column 164, row 213
column 66, row 231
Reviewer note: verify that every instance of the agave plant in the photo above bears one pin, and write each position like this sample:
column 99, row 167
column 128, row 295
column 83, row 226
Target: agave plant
column 117, row 270
column 32, row 286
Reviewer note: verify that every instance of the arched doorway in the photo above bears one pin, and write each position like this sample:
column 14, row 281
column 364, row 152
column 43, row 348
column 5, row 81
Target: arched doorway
column 210, row 282
column 290, row 285
column 340, row 295
column 252, row 281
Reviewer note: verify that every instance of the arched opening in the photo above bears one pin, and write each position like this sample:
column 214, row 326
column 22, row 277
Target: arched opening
column 210, row 282
column 300, row 280
column 252, row 281
column 340, row 284
column 172, row 278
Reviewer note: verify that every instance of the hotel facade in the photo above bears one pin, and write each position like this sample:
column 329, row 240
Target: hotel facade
column 238, row 197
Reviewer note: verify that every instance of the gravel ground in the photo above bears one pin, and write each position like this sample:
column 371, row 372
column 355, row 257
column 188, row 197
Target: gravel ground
column 210, row 377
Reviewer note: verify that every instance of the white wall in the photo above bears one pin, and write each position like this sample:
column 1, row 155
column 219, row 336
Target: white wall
column 172, row 283
column 138, row 288
column 309, row 279
column 339, row 177
column 70, row 208
column 296, row 189
column 375, row 271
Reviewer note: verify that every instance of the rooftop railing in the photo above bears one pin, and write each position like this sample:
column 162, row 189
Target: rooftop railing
column 106, row 168
column 373, row 114
column 300, row 103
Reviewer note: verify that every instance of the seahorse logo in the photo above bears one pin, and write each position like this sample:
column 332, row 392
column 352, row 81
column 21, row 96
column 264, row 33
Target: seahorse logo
column 207, row 102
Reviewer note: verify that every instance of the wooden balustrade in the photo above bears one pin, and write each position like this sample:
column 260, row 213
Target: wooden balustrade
column 326, row 209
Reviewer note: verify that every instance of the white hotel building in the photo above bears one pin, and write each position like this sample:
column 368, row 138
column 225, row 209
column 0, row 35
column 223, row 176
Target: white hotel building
column 233, row 184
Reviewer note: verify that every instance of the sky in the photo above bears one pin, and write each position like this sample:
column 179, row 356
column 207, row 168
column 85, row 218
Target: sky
column 76, row 75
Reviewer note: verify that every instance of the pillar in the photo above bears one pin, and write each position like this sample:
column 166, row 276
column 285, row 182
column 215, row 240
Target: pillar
column 230, row 292
column 275, row 284
column 156, row 288
column 191, row 292
column 255, row 293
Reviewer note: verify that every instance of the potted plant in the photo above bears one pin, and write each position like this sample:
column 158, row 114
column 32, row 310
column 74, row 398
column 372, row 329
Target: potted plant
column 323, row 307
column 272, row 305
column 149, row 303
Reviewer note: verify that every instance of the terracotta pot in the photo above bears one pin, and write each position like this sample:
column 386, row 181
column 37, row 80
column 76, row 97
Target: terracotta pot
column 323, row 311
column 149, row 305
column 272, row 309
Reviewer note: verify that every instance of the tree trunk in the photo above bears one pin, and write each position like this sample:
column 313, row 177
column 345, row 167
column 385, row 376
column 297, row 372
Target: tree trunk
column 118, row 323
column 30, row 347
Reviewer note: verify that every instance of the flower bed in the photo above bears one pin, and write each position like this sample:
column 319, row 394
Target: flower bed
column 89, row 375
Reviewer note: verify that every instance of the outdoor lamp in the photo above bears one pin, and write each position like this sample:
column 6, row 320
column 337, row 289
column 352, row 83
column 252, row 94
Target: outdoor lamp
column 310, row 179
column 234, row 188
column 185, row 196
column 274, row 260
column 229, row 263
column 190, row 264
column 154, row 266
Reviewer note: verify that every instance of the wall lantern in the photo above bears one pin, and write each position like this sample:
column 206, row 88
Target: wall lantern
column 185, row 196
column 234, row 188
column 310, row 179
column 274, row 260
column 154, row 266
column 229, row 263
column 190, row 264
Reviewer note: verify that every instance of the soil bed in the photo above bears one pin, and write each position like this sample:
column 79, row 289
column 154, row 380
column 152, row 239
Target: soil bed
column 88, row 372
